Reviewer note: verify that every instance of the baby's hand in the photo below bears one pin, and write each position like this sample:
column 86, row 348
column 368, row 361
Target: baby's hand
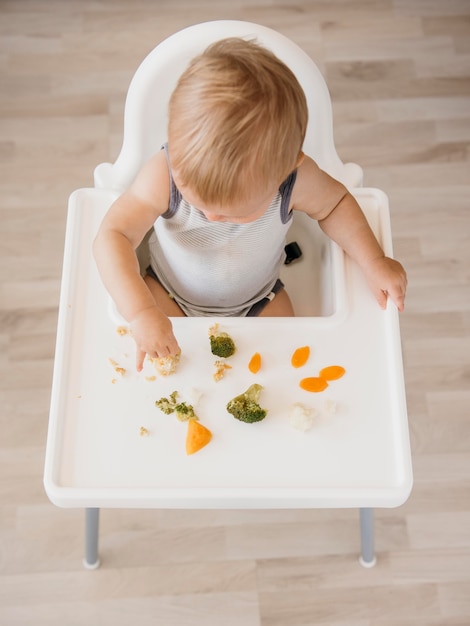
column 153, row 334
column 387, row 277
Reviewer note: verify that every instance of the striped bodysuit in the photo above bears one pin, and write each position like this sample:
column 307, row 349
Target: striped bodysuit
column 219, row 268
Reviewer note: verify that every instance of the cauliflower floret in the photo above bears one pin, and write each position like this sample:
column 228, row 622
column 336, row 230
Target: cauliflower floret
column 166, row 365
column 301, row 417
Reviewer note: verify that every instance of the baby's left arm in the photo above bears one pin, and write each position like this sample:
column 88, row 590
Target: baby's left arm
column 341, row 218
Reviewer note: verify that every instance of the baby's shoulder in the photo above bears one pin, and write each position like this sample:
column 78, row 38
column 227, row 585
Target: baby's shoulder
column 152, row 182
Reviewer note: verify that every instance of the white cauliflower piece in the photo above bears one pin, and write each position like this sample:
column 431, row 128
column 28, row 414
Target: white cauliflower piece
column 166, row 365
column 301, row 417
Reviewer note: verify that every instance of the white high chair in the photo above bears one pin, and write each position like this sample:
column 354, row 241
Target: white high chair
column 358, row 456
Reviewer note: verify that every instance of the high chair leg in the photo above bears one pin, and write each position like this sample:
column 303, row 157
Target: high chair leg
column 92, row 519
column 367, row 558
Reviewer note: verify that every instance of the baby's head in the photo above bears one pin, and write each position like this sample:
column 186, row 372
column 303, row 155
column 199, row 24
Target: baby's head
column 237, row 122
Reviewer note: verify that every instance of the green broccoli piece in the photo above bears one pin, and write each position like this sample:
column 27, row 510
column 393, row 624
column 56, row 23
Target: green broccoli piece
column 222, row 345
column 185, row 412
column 167, row 405
column 245, row 407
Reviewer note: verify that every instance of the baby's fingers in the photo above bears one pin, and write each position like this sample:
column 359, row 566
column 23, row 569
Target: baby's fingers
column 139, row 358
column 381, row 297
column 398, row 297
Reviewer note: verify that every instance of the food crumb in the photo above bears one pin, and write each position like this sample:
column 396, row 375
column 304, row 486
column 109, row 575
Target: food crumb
column 143, row 432
column 150, row 378
column 220, row 368
column 117, row 368
column 122, row 330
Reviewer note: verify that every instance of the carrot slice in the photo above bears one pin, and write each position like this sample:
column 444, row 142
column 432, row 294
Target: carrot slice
column 255, row 363
column 313, row 383
column 197, row 436
column 300, row 356
column 332, row 372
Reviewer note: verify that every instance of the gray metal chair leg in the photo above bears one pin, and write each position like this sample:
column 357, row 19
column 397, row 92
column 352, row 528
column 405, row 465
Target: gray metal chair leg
column 367, row 558
column 92, row 520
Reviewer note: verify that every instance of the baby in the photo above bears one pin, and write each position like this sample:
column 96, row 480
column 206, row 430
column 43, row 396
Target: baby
column 220, row 197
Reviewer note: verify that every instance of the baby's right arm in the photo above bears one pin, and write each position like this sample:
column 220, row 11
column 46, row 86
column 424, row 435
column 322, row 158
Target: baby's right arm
column 123, row 227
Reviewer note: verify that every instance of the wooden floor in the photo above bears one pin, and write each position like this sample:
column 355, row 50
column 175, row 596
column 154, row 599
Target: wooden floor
column 399, row 76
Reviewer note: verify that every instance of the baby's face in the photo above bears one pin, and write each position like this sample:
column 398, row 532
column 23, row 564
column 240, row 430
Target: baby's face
column 239, row 213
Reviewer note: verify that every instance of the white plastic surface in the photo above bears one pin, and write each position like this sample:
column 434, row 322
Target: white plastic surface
column 358, row 456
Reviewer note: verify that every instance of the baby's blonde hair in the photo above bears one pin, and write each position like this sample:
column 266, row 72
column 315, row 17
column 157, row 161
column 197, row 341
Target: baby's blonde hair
column 237, row 122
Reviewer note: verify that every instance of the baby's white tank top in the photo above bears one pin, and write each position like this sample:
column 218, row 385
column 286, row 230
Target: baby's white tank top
column 218, row 268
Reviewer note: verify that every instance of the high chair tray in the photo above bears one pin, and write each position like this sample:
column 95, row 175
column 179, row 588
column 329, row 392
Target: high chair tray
column 356, row 454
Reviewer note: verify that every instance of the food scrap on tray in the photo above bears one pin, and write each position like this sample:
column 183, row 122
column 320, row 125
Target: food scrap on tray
column 254, row 364
column 220, row 369
column 172, row 404
column 301, row 417
column 320, row 383
column 300, row 356
column 166, row 365
column 245, row 407
column 197, row 436
column 313, row 383
column 117, row 368
column 222, row 345
column 332, row 372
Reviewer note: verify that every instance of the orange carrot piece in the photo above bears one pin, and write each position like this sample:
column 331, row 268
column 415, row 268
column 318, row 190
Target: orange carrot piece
column 300, row 356
column 313, row 383
column 255, row 363
column 197, row 436
column 332, row 372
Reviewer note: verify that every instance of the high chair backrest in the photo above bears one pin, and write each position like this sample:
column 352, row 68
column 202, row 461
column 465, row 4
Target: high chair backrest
column 145, row 115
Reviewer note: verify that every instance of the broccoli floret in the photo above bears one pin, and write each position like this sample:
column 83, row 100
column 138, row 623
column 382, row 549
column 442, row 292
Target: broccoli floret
column 245, row 407
column 222, row 345
column 167, row 405
column 185, row 412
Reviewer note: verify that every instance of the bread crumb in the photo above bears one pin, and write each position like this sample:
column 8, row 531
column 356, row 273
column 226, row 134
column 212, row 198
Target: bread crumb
column 122, row 330
column 220, row 369
column 143, row 432
column 117, row 368
column 150, row 378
